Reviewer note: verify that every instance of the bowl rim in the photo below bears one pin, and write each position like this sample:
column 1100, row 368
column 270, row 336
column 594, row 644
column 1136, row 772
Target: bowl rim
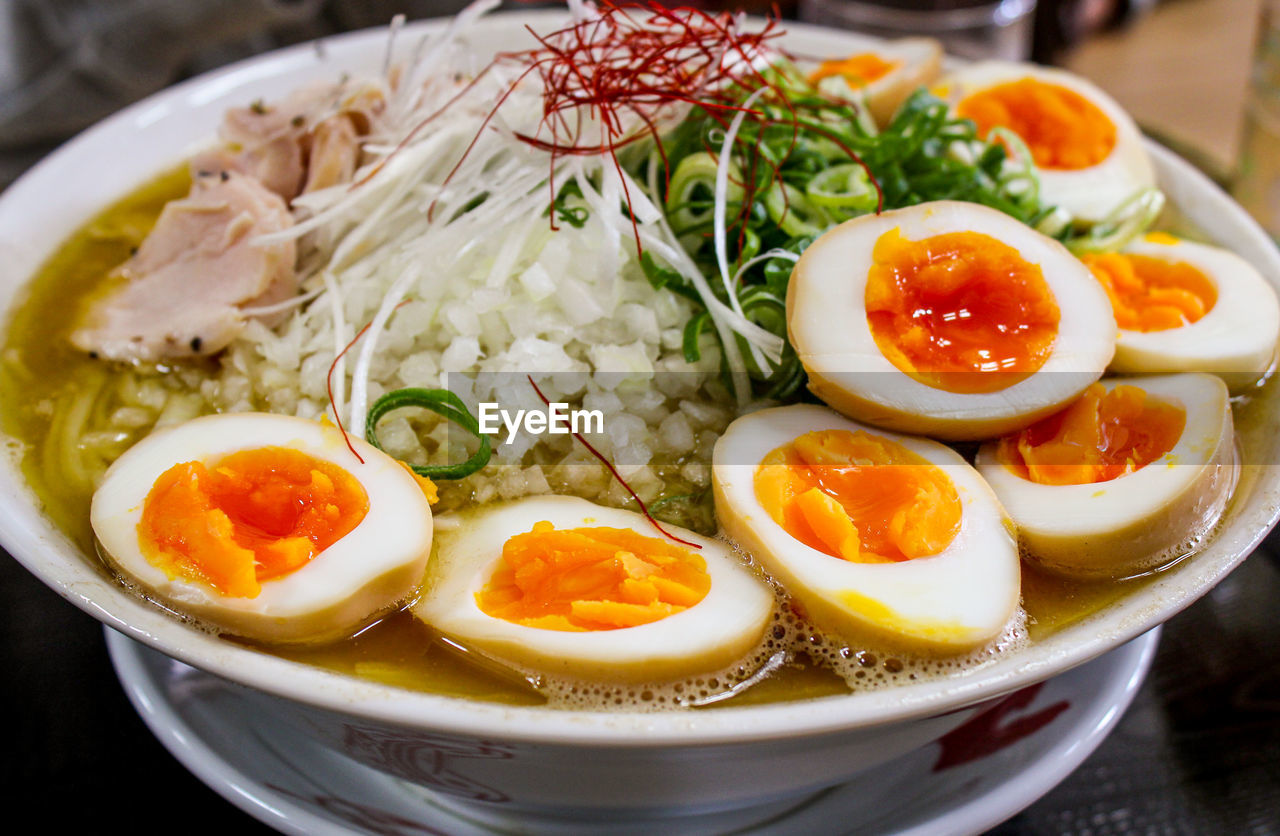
column 49, row 554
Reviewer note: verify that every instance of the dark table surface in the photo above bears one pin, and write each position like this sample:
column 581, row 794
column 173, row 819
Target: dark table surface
column 1198, row 751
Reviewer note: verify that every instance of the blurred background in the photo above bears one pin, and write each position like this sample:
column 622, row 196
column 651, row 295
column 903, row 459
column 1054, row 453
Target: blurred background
column 1199, row 752
column 1180, row 66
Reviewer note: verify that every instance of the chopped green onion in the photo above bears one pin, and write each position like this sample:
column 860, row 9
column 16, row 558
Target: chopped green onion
column 844, row 187
column 690, row 202
column 660, row 277
column 1055, row 222
column 692, row 334
column 1129, row 220
column 575, row 215
column 801, row 165
column 442, row 402
column 794, row 212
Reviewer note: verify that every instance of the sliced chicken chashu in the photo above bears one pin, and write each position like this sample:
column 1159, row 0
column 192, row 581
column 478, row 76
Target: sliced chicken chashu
column 307, row 141
column 193, row 283
column 334, row 153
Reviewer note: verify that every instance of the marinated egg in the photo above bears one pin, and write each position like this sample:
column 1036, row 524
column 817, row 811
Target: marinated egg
column 882, row 78
column 873, row 534
column 946, row 319
column 265, row 526
column 1088, row 150
column 1183, row 306
column 563, row 586
column 1130, row 476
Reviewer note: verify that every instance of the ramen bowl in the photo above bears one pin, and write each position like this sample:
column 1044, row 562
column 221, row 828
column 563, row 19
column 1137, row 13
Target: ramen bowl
column 561, row 763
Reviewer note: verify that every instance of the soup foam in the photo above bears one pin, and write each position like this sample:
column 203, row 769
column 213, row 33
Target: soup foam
column 788, row 641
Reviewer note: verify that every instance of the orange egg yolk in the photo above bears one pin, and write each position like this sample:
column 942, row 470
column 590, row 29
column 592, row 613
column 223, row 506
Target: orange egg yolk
column 248, row 517
column 1062, row 129
column 587, row 579
column 859, row 70
column 1102, row 436
column 858, row 497
column 960, row 311
column 1151, row 294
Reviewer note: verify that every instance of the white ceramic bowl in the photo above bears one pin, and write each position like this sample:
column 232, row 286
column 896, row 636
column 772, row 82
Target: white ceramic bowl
column 562, row 763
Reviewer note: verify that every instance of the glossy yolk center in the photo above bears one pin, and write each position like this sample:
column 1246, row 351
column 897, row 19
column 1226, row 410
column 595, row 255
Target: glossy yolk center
column 858, row 497
column 251, row 516
column 960, row 311
column 1151, row 294
column 859, row 70
column 1062, row 129
column 586, row 579
column 1102, row 436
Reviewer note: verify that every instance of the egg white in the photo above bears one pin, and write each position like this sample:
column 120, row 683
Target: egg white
column 953, row 601
column 827, row 324
column 1140, row 520
column 1091, row 193
column 717, row 631
column 376, row 565
column 1236, row 339
column 919, row 63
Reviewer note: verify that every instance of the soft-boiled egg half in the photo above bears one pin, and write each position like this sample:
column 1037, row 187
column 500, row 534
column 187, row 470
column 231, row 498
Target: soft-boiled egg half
column 1126, row 479
column 1088, row 151
column 883, row 78
column 1183, row 306
column 560, row 585
column 946, row 319
column 873, row 534
column 265, row 526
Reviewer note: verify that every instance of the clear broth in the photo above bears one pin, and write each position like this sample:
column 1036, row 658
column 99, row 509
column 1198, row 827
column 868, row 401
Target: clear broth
column 38, row 366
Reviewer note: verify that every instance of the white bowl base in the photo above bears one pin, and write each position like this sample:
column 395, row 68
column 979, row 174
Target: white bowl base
column 219, row 731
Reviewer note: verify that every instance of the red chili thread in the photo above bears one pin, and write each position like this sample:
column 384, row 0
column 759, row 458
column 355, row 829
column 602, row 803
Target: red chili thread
column 644, row 509
column 614, row 64
column 617, row 63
